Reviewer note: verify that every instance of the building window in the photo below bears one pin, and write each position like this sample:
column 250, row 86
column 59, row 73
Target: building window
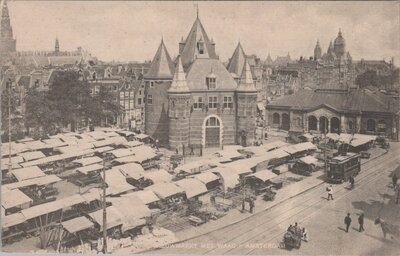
column 151, row 84
column 200, row 47
column 139, row 101
column 140, row 92
column 371, row 125
column 228, row 103
column 198, row 103
column 350, row 126
column 150, row 99
column 276, row 119
column 382, row 126
column 212, row 102
column 115, row 88
column 212, row 122
column 211, row 82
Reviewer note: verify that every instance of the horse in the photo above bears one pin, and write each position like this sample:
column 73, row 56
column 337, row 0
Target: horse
column 388, row 228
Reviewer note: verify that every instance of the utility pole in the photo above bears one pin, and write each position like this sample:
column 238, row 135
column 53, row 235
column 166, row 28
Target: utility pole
column 104, row 186
column 325, row 145
column 9, row 126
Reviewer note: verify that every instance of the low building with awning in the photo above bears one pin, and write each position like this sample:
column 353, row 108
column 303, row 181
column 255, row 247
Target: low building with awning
column 88, row 160
column 77, row 224
column 114, row 217
column 158, row 176
column 145, row 196
column 229, row 179
column 27, row 173
column 15, row 199
column 165, row 190
column 32, row 155
column 192, row 187
column 39, row 181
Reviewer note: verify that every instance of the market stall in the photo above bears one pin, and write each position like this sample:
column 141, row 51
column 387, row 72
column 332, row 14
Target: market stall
column 12, row 228
column 158, row 176
column 14, row 201
column 147, row 197
column 259, row 181
column 86, row 175
column 304, row 166
column 171, row 195
column 32, row 155
column 209, row 179
column 27, row 173
column 76, row 230
column 134, row 174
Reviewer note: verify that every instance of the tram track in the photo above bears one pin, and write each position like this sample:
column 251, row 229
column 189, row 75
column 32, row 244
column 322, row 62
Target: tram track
column 229, row 233
column 309, row 211
column 266, row 228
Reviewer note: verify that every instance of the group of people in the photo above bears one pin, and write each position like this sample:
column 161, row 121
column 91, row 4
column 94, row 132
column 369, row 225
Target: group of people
column 347, row 222
column 296, row 230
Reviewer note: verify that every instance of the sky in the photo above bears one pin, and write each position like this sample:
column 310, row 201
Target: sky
column 132, row 30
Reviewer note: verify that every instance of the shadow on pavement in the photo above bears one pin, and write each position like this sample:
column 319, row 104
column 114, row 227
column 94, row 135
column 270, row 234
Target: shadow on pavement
column 343, row 229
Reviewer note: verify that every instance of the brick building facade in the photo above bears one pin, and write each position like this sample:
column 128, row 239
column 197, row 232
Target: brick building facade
column 195, row 101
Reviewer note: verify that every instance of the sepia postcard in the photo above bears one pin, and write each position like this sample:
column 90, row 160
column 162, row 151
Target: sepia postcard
column 200, row 127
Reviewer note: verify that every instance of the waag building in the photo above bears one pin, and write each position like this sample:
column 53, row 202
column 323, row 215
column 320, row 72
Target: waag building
column 194, row 101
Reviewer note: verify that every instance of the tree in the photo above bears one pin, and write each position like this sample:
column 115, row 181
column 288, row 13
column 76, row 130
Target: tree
column 368, row 79
column 108, row 109
column 71, row 95
column 42, row 115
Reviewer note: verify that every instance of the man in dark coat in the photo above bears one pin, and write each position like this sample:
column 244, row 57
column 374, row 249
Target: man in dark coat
column 394, row 179
column 361, row 222
column 347, row 222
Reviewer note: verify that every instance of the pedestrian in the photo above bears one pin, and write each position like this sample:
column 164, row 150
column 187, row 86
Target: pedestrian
column 361, row 222
column 351, row 180
column 330, row 192
column 176, row 151
column 251, row 205
column 394, row 179
column 305, row 235
column 347, row 222
column 243, row 205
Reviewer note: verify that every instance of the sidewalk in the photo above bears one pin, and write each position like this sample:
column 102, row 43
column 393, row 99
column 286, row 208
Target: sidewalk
column 234, row 216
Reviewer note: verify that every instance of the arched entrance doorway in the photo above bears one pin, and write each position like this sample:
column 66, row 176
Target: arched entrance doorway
column 335, row 125
column 312, row 123
column 212, row 133
column 285, row 122
column 323, row 124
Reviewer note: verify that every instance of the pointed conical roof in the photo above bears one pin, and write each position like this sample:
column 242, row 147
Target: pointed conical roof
column 162, row 66
column 179, row 82
column 317, row 46
column 5, row 25
column 330, row 48
column 190, row 52
column 246, row 79
column 237, row 61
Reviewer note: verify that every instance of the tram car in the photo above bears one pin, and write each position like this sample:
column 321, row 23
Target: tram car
column 342, row 167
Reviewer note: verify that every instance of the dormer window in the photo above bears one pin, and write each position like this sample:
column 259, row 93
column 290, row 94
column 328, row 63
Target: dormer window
column 211, row 81
column 200, row 47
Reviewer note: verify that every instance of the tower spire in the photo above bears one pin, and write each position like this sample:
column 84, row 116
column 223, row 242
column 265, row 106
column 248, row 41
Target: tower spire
column 179, row 81
column 5, row 25
column 57, row 46
column 246, row 80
